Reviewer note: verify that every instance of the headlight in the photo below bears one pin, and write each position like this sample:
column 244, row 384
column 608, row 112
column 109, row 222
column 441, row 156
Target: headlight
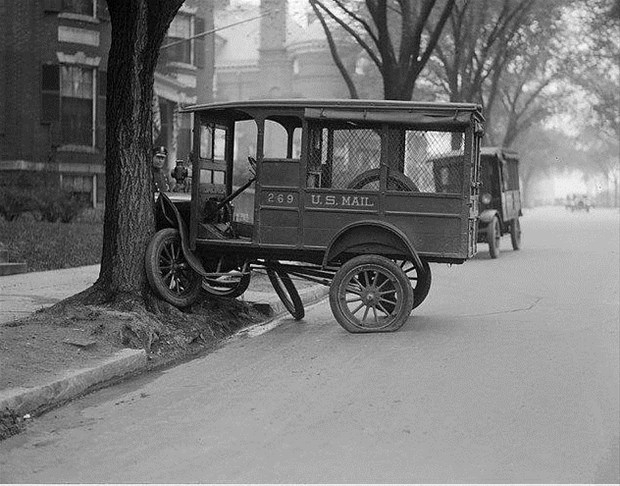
column 486, row 198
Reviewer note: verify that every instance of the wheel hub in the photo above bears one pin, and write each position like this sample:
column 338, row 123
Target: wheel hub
column 370, row 296
column 175, row 267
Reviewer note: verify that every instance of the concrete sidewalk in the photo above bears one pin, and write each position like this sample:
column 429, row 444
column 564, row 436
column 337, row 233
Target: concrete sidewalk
column 22, row 294
column 25, row 293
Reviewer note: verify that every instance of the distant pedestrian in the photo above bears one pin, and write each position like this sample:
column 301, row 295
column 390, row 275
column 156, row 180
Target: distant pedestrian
column 179, row 174
column 160, row 181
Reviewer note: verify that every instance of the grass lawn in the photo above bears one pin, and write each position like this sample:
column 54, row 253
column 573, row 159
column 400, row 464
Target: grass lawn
column 50, row 246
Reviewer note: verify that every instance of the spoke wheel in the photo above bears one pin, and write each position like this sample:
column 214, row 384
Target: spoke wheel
column 286, row 290
column 494, row 236
column 420, row 280
column 515, row 234
column 230, row 285
column 371, row 293
column 167, row 269
column 369, row 180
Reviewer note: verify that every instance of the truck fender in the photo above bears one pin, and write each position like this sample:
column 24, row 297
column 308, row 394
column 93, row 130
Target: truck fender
column 168, row 216
column 369, row 237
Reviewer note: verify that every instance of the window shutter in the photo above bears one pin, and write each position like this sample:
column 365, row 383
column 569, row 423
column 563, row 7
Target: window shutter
column 199, row 43
column 53, row 6
column 50, row 93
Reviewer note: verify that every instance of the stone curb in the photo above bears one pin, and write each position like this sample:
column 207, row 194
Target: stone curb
column 7, row 268
column 39, row 399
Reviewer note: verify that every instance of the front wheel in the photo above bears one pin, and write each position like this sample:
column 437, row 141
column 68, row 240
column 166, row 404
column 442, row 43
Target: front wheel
column 167, row 269
column 286, row 290
column 494, row 235
column 515, row 233
column 370, row 293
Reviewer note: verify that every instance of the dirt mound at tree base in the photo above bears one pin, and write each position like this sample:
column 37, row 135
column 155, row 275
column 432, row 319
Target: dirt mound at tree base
column 69, row 336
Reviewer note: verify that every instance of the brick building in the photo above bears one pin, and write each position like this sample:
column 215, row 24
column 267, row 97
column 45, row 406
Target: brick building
column 53, row 57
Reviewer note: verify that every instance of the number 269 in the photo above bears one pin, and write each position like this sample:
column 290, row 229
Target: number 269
column 280, row 198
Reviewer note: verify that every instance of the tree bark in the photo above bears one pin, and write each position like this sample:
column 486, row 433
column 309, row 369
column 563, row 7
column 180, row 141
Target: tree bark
column 138, row 29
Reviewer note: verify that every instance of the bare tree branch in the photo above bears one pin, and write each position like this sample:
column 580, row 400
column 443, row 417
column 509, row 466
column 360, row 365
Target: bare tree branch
column 350, row 31
column 334, row 51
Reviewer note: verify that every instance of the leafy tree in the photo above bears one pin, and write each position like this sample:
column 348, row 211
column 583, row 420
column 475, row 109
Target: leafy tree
column 476, row 47
column 398, row 36
column 138, row 30
column 501, row 55
column 594, row 43
column 592, row 74
column 530, row 85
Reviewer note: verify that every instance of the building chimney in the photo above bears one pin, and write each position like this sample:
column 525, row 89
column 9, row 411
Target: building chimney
column 275, row 67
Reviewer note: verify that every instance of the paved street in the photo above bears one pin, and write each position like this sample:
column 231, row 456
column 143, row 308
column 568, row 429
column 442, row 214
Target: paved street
column 507, row 373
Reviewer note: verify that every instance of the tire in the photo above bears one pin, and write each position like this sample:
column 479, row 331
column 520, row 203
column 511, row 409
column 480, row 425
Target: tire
column 420, row 280
column 395, row 179
column 376, row 284
column 167, row 270
column 286, row 290
column 228, row 286
column 515, row 234
column 494, row 235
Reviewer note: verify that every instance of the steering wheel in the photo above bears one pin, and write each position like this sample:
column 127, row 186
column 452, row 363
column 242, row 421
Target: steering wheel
column 233, row 195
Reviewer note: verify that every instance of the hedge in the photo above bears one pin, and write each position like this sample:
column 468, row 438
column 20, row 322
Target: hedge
column 50, row 246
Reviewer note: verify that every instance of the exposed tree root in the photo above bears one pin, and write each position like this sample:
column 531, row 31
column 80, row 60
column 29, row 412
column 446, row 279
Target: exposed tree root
column 144, row 321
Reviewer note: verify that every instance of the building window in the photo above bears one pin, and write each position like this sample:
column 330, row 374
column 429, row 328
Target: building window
column 81, row 7
column 50, row 89
column 180, row 31
column 69, row 101
column 76, row 104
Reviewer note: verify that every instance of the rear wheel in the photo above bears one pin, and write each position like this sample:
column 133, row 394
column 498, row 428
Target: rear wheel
column 515, row 233
column 286, row 290
column 420, row 280
column 167, row 269
column 494, row 236
column 371, row 293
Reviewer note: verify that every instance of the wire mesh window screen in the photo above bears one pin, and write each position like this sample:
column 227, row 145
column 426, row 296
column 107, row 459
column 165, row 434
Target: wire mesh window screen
column 432, row 161
column 339, row 157
column 418, row 161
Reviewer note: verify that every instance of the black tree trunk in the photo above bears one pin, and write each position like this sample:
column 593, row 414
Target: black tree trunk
column 138, row 29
